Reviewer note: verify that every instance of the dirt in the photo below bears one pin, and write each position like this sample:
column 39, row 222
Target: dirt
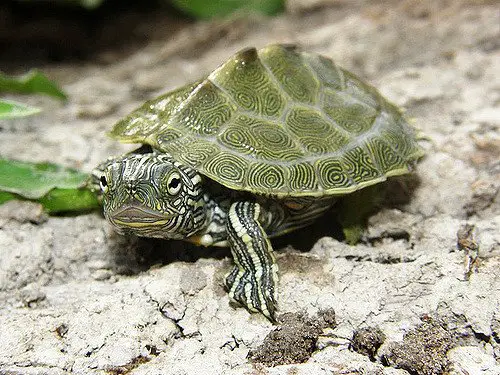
column 294, row 340
column 423, row 350
column 77, row 298
column 367, row 341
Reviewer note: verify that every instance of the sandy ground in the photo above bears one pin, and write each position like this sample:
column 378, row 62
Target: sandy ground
column 419, row 295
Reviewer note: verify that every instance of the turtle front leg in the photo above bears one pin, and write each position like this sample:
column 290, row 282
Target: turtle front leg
column 253, row 280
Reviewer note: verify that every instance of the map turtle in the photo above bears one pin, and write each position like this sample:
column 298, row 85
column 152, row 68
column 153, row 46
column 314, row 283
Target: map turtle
column 262, row 146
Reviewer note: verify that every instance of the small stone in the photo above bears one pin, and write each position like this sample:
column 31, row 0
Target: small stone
column 62, row 330
column 367, row 340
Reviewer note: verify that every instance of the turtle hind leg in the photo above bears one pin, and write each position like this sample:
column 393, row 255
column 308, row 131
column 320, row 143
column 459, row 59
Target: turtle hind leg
column 253, row 280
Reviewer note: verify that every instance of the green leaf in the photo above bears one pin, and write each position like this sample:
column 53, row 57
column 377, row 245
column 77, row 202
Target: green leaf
column 10, row 109
column 32, row 180
column 57, row 188
column 32, row 82
column 222, row 8
column 4, row 196
column 64, row 200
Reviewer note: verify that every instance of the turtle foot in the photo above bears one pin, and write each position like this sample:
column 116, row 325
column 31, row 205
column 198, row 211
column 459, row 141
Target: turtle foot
column 256, row 292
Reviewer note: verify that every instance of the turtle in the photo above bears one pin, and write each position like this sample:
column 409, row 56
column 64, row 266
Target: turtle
column 263, row 145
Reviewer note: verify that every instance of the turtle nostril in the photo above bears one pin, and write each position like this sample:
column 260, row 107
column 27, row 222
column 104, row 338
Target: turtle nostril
column 131, row 187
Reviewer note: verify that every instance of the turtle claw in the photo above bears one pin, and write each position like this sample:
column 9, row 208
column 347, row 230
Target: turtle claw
column 257, row 294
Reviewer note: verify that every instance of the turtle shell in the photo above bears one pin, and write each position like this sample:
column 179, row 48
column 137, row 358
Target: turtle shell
column 279, row 121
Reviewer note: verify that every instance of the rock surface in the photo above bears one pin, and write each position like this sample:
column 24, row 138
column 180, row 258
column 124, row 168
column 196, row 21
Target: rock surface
column 77, row 298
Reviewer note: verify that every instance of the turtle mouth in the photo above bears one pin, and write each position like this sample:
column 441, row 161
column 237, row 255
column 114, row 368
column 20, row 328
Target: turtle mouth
column 137, row 216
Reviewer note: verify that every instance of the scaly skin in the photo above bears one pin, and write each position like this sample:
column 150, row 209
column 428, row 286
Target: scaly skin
column 152, row 195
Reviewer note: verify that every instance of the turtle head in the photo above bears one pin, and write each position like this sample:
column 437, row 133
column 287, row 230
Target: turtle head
column 150, row 195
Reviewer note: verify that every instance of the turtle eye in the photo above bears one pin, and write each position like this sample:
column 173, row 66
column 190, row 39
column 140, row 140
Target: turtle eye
column 104, row 184
column 174, row 183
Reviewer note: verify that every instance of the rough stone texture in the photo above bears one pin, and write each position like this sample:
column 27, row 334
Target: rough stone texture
column 77, row 298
